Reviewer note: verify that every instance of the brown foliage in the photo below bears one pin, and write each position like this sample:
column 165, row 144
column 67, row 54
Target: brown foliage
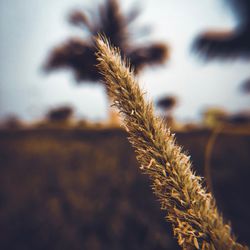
column 77, row 189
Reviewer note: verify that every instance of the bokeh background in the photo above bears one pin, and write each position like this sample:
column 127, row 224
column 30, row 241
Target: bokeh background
column 30, row 29
column 69, row 178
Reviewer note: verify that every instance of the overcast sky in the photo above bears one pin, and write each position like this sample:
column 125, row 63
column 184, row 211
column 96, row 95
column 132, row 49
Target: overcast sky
column 30, row 28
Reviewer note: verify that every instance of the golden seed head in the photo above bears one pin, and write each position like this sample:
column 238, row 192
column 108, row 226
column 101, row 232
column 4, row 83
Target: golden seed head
column 190, row 208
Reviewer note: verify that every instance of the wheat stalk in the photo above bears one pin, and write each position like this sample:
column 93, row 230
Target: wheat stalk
column 192, row 211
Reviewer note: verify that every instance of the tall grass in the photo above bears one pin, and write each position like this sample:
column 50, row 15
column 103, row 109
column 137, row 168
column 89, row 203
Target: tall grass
column 197, row 224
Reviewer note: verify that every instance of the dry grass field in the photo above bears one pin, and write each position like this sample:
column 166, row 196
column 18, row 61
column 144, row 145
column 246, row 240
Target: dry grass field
column 65, row 188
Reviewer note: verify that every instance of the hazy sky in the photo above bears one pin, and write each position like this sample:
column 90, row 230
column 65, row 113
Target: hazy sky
column 29, row 28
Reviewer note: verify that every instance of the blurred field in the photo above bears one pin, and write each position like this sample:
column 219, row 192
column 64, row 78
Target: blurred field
column 63, row 188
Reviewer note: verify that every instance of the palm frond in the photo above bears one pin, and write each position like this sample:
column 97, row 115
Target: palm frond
column 75, row 54
column 228, row 45
column 155, row 53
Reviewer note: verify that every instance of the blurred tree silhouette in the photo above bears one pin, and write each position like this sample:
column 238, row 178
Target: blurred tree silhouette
column 245, row 87
column 60, row 114
column 167, row 103
column 78, row 54
column 12, row 122
column 240, row 118
column 232, row 44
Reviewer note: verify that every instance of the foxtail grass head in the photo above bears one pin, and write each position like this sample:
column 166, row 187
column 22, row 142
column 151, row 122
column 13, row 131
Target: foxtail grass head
column 197, row 224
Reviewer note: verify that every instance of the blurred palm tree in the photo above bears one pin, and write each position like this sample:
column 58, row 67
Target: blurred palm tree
column 228, row 44
column 78, row 54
